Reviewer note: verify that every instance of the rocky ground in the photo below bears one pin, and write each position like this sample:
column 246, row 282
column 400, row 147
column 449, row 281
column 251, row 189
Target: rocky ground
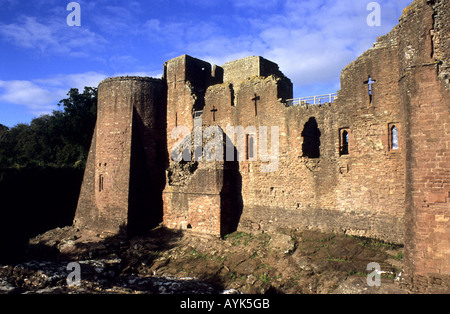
column 165, row 262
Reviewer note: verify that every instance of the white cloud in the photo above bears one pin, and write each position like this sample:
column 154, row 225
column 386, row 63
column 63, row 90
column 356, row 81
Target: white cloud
column 79, row 80
column 312, row 41
column 41, row 96
column 38, row 100
column 53, row 36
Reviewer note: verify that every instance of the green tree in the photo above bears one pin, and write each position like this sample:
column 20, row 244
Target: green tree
column 24, row 143
column 3, row 149
column 80, row 115
column 3, row 130
column 61, row 139
column 74, row 126
column 47, row 133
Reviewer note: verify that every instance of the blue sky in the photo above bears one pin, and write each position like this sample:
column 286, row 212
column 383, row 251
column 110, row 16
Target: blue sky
column 41, row 57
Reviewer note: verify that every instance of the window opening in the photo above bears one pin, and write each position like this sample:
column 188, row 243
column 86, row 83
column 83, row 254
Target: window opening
column 369, row 82
column 311, row 139
column 344, row 143
column 255, row 99
column 100, row 183
column 394, row 137
column 214, row 110
column 250, row 146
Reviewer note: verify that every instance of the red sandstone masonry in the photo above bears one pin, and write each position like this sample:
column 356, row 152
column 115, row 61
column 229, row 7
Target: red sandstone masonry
column 425, row 95
column 398, row 195
column 105, row 199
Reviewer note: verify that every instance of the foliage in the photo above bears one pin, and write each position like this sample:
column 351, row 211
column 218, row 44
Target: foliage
column 61, row 139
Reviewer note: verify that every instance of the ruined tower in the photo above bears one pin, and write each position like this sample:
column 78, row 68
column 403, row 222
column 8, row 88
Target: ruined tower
column 125, row 168
column 191, row 196
column 207, row 196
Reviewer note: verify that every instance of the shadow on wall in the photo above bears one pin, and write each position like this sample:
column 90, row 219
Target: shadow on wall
column 147, row 178
column 33, row 201
column 311, row 139
column 231, row 202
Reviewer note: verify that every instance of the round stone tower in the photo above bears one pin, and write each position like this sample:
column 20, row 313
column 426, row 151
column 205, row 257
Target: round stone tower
column 125, row 168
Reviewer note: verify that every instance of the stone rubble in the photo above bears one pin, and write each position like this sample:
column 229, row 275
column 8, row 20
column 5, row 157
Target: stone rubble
column 164, row 262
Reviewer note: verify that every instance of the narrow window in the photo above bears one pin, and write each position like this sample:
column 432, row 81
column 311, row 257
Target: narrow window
column 250, row 146
column 100, row 183
column 394, row 138
column 344, row 142
column 232, row 96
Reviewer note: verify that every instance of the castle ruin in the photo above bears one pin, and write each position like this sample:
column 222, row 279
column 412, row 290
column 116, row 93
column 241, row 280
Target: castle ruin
column 373, row 161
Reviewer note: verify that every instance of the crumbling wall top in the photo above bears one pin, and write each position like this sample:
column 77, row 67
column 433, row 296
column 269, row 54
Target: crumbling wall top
column 239, row 70
column 187, row 68
column 131, row 78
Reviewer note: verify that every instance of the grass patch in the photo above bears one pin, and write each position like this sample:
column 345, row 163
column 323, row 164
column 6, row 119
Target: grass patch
column 232, row 276
column 327, row 239
column 262, row 266
column 265, row 278
column 331, row 259
column 388, row 276
column 373, row 243
column 197, row 254
column 237, row 238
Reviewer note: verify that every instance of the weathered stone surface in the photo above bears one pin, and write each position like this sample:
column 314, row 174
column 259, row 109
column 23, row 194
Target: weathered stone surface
column 373, row 163
column 119, row 189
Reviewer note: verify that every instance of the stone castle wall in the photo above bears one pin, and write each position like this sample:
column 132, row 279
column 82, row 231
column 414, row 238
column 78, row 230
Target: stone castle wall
column 425, row 97
column 337, row 166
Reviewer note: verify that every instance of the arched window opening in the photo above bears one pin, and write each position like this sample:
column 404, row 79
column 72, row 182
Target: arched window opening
column 344, row 143
column 311, row 139
column 394, row 138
